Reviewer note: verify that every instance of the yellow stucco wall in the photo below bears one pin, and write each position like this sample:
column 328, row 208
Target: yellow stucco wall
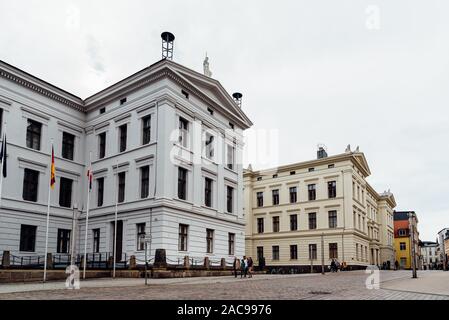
column 403, row 253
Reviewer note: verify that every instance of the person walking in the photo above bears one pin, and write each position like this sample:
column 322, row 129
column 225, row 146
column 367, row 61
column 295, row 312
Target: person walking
column 250, row 267
column 396, row 265
column 245, row 259
column 236, row 266
column 243, row 267
column 333, row 265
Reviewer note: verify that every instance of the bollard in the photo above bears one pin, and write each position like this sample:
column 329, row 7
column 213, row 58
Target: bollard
column 223, row 263
column 186, row 262
column 206, row 262
column 160, row 259
column 132, row 262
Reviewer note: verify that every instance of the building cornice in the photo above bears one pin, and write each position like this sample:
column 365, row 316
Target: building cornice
column 41, row 89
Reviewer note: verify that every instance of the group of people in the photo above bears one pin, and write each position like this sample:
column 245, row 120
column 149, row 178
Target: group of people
column 335, row 265
column 245, row 266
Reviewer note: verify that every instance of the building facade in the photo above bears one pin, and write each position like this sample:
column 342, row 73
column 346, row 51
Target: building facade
column 406, row 239
column 430, row 255
column 442, row 235
column 300, row 214
column 165, row 146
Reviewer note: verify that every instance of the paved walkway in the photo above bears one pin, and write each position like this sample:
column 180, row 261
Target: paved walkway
column 395, row 285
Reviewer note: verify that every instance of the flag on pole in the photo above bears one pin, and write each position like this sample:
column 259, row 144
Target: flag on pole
column 3, row 157
column 90, row 177
column 52, row 174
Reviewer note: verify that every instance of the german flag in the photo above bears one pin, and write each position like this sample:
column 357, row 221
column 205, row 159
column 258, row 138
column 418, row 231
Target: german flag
column 52, row 173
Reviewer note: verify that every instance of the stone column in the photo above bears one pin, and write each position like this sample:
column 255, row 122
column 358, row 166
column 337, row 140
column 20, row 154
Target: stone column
column 223, row 263
column 206, row 262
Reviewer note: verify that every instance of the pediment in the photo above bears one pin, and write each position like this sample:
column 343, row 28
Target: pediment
column 361, row 160
column 213, row 90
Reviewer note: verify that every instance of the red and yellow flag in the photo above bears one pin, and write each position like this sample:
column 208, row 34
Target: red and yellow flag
column 52, row 174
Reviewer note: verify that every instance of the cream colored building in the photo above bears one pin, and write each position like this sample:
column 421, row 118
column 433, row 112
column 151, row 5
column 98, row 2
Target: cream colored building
column 295, row 213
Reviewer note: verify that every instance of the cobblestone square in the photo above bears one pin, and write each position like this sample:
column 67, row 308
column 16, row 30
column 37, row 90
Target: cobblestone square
column 394, row 285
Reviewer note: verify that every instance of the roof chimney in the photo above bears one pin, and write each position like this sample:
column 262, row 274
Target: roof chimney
column 321, row 153
column 167, row 45
column 237, row 98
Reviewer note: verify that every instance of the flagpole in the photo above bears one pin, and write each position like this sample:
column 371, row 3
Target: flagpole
column 115, row 224
column 87, row 214
column 48, row 220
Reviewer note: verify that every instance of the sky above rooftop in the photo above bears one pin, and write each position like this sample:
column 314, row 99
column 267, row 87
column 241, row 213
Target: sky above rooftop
column 372, row 74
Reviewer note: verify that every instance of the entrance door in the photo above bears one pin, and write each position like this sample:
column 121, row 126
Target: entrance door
column 118, row 253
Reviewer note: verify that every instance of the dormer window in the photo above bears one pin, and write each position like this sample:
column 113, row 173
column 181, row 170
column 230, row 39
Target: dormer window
column 102, row 110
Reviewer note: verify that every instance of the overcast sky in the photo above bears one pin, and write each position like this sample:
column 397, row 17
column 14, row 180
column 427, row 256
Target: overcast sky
column 367, row 73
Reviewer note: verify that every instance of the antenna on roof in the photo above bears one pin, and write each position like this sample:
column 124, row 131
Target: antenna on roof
column 167, row 45
column 237, row 98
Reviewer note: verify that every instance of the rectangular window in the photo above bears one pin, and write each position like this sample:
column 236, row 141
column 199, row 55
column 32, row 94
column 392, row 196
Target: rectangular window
column 183, row 132
column 65, row 192
column 102, row 110
column 140, row 228
column 229, row 199
column 259, row 253
column 100, row 191
column 96, row 240
column 30, row 185
column 230, row 156
column 333, row 250
column 292, row 172
column 275, row 194
column 312, row 192
column 63, row 245
column 231, row 243
column 312, row 251
column 332, row 189
column 259, row 199
column 183, row 230
column 34, row 129
column 402, row 246
column 182, row 183
column 293, row 195
column 102, row 145
column 123, row 101
column 209, row 146
column 121, row 186
column 27, row 238
column 312, row 220
column 68, row 145
column 330, row 166
column 260, row 225
column 293, row 222
column 209, row 240
column 123, row 132
column 293, row 252
column 332, row 219
column 275, row 224
column 144, row 182
column 275, row 176
column 146, row 129
column 275, row 250
column 208, row 192
column 311, row 169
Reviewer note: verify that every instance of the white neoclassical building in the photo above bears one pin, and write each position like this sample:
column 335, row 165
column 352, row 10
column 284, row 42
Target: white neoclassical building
column 165, row 145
